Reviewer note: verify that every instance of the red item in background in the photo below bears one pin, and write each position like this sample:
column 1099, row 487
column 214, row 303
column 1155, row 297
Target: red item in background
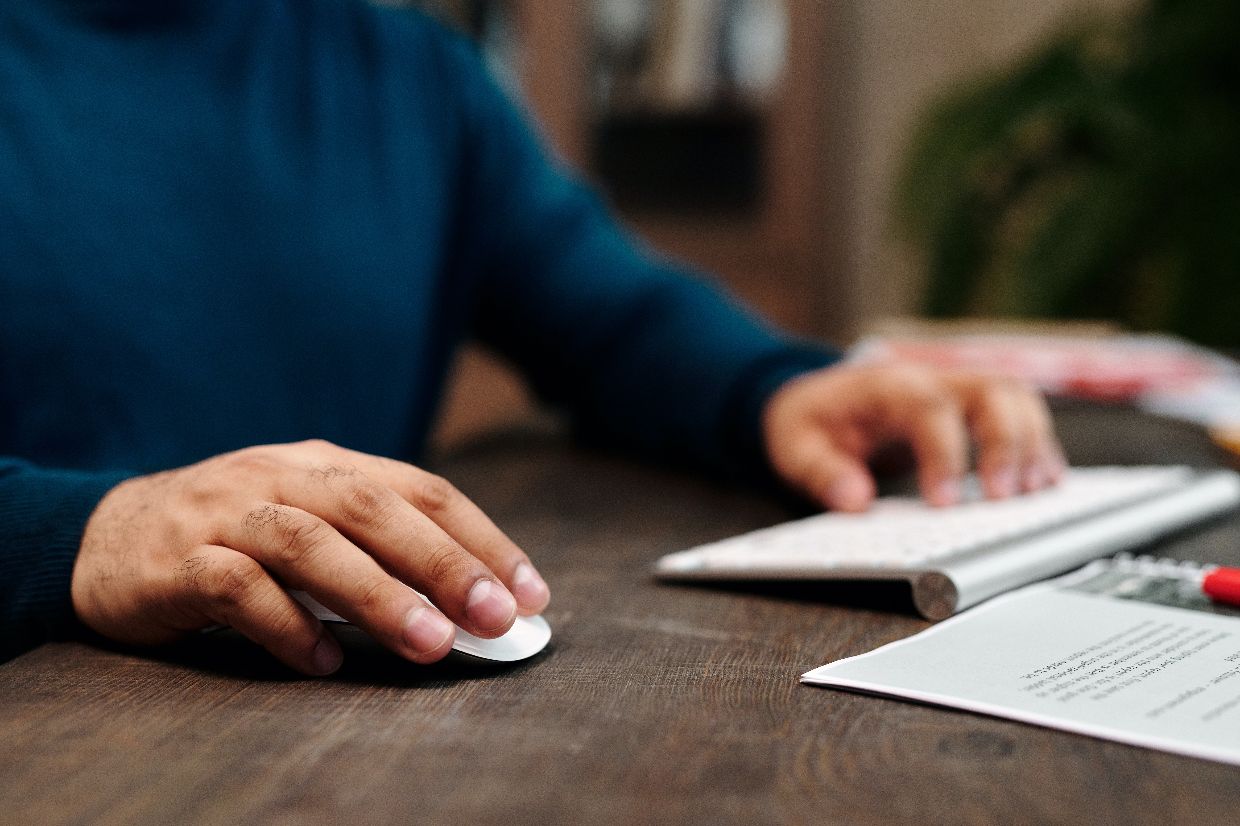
column 1223, row 585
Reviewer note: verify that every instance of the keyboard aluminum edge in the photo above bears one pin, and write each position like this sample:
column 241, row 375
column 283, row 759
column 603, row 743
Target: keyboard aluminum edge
column 979, row 575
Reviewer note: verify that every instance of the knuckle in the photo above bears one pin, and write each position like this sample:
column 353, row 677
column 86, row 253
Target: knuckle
column 900, row 370
column 298, row 538
column 373, row 597
column 265, row 517
column 925, row 376
column 368, row 504
column 190, row 573
column 286, row 632
column 236, row 582
column 996, row 426
column 435, row 494
column 1011, row 385
column 263, row 454
column 1008, row 394
column 996, row 437
column 937, row 405
column 445, row 562
column 200, row 488
column 330, row 472
column 996, row 393
column 250, row 461
column 912, row 378
column 999, row 453
column 317, row 444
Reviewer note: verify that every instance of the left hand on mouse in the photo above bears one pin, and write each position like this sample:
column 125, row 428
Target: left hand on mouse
column 217, row 542
column 821, row 429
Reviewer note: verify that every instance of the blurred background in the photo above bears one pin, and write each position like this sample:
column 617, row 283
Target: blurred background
column 840, row 163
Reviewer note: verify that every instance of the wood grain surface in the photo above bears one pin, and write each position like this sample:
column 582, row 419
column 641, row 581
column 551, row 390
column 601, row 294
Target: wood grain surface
column 654, row 703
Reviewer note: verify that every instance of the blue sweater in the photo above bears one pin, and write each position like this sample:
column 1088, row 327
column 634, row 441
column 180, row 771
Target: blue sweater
column 232, row 222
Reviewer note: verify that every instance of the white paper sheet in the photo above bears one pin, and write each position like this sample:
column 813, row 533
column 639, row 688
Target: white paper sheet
column 1086, row 653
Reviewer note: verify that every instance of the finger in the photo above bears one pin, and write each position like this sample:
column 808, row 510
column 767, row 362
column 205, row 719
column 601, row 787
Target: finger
column 307, row 553
column 234, row 590
column 1045, row 463
column 406, row 542
column 461, row 519
column 1058, row 462
column 999, row 421
column 934, row 425
column 815, row 466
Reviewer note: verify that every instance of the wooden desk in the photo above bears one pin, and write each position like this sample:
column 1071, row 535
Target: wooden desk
column 654, row 704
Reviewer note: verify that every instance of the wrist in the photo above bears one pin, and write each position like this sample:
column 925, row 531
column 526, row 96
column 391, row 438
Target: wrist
column 749, row 435
column 44, row 513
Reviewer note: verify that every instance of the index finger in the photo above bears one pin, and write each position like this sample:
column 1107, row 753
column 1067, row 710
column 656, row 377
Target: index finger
column 935, row 427
column 462, row 520
column 305, row 552
column 406, row 542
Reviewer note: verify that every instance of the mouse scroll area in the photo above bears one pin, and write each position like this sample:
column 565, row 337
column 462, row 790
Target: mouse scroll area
column 527, row 637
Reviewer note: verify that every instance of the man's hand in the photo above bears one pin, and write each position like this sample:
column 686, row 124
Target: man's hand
column 820, row 430
column 170, row 553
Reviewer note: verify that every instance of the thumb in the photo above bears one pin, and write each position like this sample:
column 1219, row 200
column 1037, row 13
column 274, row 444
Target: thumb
column 813, row 464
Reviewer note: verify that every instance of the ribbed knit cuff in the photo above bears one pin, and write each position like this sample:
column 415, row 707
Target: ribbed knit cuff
column 42, row 516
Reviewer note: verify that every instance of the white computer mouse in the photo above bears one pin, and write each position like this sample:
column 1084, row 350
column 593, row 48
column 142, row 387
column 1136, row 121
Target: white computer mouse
column 527, row 637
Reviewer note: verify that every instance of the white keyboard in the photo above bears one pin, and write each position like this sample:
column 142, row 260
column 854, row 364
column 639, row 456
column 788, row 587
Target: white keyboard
column 956, row 557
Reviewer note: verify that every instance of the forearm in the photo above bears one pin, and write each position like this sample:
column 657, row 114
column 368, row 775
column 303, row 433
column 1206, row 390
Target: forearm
column 667, row 366
column 42, row 514
column 645, row 355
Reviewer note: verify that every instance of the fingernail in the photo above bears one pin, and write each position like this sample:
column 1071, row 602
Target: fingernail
column 327, row 655
column 946, row 492
column 1003, row 482
column 426, row 630
column 849, row 493
column 528, row 587
column 489, row 606
column 1034, row 478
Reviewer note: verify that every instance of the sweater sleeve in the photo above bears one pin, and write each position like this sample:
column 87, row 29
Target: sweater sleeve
column 42, row 515
column 646, row 356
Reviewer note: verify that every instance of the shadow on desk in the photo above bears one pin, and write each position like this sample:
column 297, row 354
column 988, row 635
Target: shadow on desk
column 888, row 596
column 227, row 653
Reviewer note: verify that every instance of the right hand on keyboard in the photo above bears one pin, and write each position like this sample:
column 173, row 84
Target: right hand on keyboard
column 822, row 428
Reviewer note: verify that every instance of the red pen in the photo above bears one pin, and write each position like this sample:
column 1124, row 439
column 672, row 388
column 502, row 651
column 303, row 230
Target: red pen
column 1222, row 585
